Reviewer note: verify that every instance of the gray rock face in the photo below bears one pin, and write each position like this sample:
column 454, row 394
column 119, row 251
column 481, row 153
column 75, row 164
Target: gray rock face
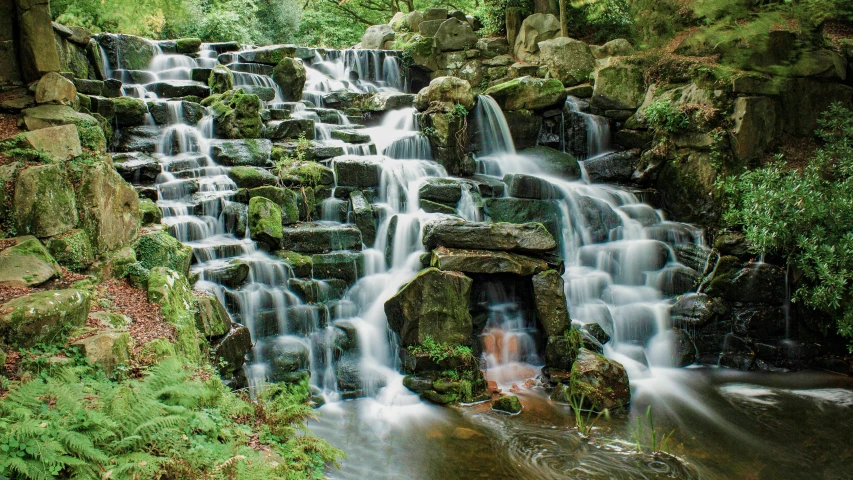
column 357, row 171
column 363, row 217
column 254, row 153
column 536, row 28
column 569, row 61
column 549, row 298
column 376, row 36
column 529, row 237
column 485, row 261
column 384, row 101
column 616, row 167
column 314, row 238
column 179, row 88
column 442, row 190
column 453, row 35
column 696, row 310
column 529, row 186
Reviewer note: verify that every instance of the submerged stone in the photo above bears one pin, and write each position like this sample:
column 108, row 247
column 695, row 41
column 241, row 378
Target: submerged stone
column 508, row 404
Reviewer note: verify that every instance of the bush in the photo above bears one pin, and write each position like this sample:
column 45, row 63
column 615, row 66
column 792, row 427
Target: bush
column 663, row 116
column 178, row 421
column 806, row 215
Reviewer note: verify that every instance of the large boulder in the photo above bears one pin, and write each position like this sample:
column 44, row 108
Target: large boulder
column 220, row 80
column 615, row 167
column 108, row 208
column 54, row 88
column 528, row 237
column 211, row 318
column 453, row 35
column 554, row 162
column 27, row 264
column 44, row 204
column 42, row 317
column 375, row 37
column 619, row 86
column 265, row 222
column 485, row 261
column 159, row 249
column 569, row 61
column 72, row 250
column 286, row 199
column 756, row 124
column 447, row 91
column 536, row 28
column 602, row 383
column 36, row 45
column 434, row 304
column 549, row 297
column 696, row 310
column 528, row 93
column 290, row 74
column 107, row 349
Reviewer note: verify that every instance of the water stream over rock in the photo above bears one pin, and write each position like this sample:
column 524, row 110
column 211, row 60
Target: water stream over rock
column 315, row 306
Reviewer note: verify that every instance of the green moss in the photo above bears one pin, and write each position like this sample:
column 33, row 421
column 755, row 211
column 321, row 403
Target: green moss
column 302, row 265
column 187, row 45
column 265, row 219
column 156, row 351
column 172, row 292
column 33, row 248
column 508, row 403
column 160, row 249
column 72, row 250
column 92, row 137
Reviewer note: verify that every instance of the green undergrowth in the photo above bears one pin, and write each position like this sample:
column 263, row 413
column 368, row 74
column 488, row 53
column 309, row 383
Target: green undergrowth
column 439, row 351
column 176, row 421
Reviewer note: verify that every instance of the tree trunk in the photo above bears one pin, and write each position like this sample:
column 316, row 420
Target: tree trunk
column 564, row 25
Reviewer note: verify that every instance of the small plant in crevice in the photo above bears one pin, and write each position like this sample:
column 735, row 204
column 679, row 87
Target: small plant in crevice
column 585, row 420
column 665, row 117
column 439, row 351
column 648, row 437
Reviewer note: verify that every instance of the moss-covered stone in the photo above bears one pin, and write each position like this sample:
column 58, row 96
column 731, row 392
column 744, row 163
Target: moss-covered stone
column 187, row 45
column 251, row 177
column 289, row 74
column 285, row 198
column 602, row 383
column 236, row 115
column 129, row 111
column 434, row 304
column 302, row 265
column 108, row 350
column 42, row 317
column 27, row 264
column 528, row 93
column 156, row 351
column 44, row 203
column 171, row 291
column 549, row 298
column 265, row 222
column 508, row 404
column 446, row 92
column 159, row 249
column 72, row 250
column 108, row 208
column 211, row 318
column 220, row 80
column 149, row 211
column 619, row 86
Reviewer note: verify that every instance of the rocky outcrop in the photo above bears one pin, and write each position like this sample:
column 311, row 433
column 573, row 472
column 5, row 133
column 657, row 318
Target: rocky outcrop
column 569, row 61
column 44, row 202
column 38, row 54
column 289, row 74
column 108, row 208
column 602, row 383
column 528, row 93
column 536, row 28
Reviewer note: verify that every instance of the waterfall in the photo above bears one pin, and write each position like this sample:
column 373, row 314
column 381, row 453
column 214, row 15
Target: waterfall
column 596, row 131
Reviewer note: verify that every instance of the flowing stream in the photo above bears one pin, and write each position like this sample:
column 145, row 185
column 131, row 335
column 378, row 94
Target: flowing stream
column 621, row 259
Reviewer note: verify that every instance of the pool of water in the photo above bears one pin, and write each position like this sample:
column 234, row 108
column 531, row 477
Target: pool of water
column 725, row 424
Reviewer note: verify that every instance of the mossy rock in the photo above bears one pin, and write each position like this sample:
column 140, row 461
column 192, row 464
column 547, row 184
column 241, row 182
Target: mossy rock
column 44, row 203
column 156, row 351
column 236, row 115
column 211, row 318
column 508, row 404
column 27, row 264
column 172, row 292
column 286, row 200
column 107, row 350
column 43, row 317
column 159, row 249
column 251, row 177
column 265, row 222
column 187, row 45
column 528, row 93
column 602, row 383
column 129, row 111
column 311, row 174
column 221, row 79
column 290, row 75
column 108, row 208
column 302, row 265
column 72, row 250
column 149, row 211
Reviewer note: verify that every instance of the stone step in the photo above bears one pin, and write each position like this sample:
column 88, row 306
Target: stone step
column 321, row 237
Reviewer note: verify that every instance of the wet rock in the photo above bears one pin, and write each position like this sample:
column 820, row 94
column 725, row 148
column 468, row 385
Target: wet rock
column 127, row 52
column 351, row 136
column 529, row 186
column 211, row 318
column 346, row 266
column 508, row 404
column 313, row 174
column 42, row 317
column 137, row 168
column 485, row 261
column 129, row 111
column 265, row 222
column 599, row 217
column 236, row 218
column 524, row 210
column 447, row 92
column 536, row 28
column 318, row 238
column 271, row 55
column 454, row 34
column 254, row 152
column 569, row 61
column 159, row 249
column 108, row 350
column 232, row 350
column 179, row 88
column 434, row 304
column 616, row 167
column 554, row 162
column 417, row 384
column 251, row 177
column 27, row 264
column 363, row 217
column 442, row 190
column 290, row 74
column 528, row 93
column 549, row 298
column 236, row 115
column 603, row 383
column 529, row 237
column 357, row 171
column 220, row 79
column 138, row 139
column 72, row 250
column 755, row 283
column 684, row 351
column 385, row 101
column 44, row 203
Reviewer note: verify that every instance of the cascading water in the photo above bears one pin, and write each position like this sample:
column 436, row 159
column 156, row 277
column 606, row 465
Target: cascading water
column 619, row 259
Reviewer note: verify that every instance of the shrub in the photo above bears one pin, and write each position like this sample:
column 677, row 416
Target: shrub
column 806, row 215
column 663, row 116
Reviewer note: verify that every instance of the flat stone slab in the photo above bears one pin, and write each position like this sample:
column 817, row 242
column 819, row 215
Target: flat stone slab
column 525, row 237
column 485, row 261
